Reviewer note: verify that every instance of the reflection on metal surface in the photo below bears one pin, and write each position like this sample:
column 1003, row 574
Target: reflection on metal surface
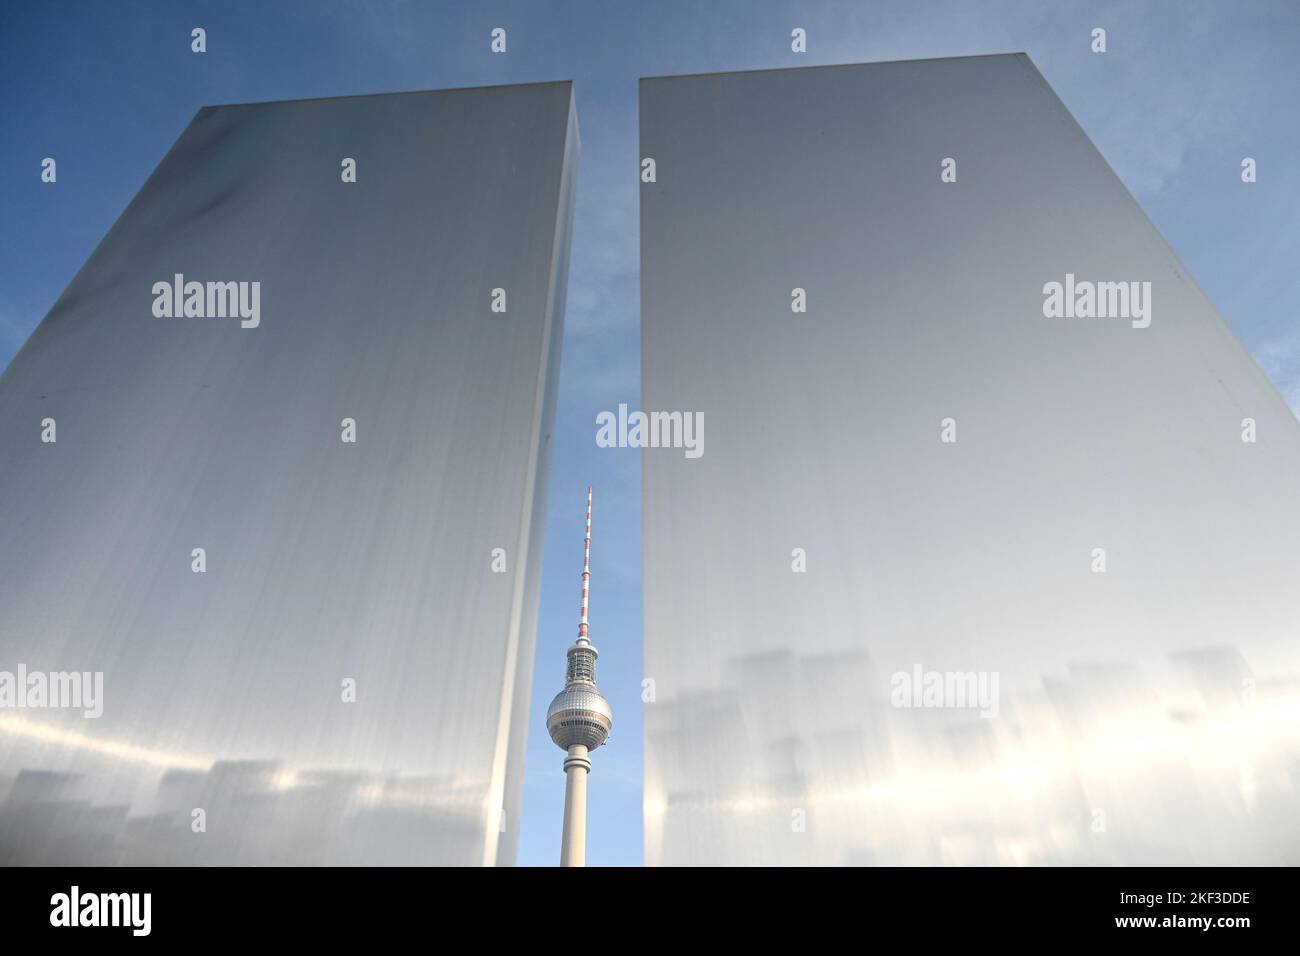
column 1086, row 772
column 346, row 680
column 1098, row 549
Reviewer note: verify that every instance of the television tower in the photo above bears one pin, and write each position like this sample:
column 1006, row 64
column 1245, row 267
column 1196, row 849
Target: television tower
column 579, row 721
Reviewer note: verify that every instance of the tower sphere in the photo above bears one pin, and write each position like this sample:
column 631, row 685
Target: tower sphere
column 579, row 715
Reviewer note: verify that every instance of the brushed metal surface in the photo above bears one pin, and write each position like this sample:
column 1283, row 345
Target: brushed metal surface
column 326, row 561
column 1147, row 714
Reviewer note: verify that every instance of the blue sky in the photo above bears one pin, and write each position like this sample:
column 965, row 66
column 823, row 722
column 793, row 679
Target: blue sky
column 1185, row 91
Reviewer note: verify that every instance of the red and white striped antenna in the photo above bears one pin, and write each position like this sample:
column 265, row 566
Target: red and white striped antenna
column 586, row 574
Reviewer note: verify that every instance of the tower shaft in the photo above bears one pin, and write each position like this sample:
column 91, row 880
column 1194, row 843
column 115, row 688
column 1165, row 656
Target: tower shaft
column 573, row 844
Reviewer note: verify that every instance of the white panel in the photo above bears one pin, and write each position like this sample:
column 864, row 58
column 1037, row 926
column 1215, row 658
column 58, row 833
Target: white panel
column 1147, row 714
column 326, row 561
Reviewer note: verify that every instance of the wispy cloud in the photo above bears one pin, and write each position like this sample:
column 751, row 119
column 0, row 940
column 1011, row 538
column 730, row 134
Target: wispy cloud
column 1280, row 359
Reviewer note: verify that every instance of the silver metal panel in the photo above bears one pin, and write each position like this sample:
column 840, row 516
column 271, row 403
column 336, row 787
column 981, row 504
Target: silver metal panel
column 326, row 561
column 1147, row 713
